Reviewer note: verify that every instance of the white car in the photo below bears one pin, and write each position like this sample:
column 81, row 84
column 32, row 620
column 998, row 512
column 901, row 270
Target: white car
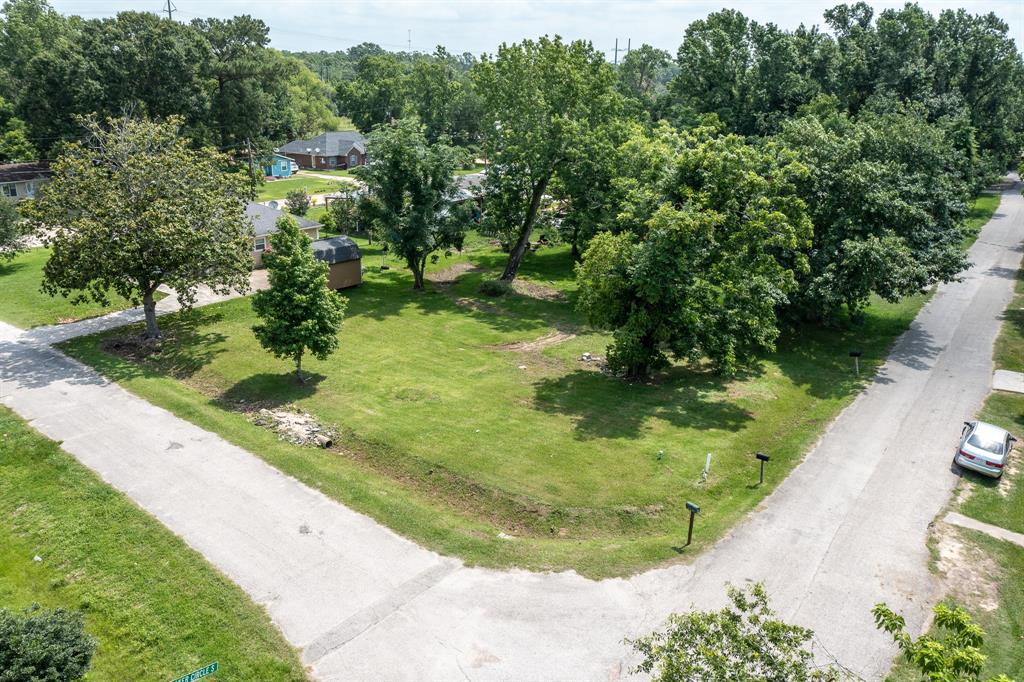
column 984, row 448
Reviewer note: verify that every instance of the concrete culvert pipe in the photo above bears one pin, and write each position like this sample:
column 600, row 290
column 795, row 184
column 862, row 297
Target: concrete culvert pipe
column 324, row 441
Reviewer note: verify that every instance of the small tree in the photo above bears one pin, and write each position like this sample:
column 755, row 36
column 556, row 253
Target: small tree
column 297, row 202
column 342, row 215
column 298, row 312
column 411, row 190
column 956, row 657
column 13, row 231
column 133, row 207
column 49, row 646
column 743, row 641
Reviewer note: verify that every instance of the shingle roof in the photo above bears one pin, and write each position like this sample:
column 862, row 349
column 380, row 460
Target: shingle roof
column 329, row 144
column 264, row 219
column 18, row 172
column 336, row 250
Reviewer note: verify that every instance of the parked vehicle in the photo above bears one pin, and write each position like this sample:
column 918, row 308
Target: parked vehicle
column 984, row 448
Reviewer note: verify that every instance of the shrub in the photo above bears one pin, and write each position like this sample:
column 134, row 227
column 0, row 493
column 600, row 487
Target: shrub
column 48, row 646
column 495, row 287
column 297, row 202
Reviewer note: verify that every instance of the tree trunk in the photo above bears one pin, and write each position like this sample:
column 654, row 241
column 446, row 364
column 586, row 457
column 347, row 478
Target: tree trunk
column 149, row 307
column 515, row 257
column 413, row 263
column 298, row 368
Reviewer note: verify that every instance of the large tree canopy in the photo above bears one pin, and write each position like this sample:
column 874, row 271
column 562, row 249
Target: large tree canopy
column 133, row 207
column 541, row 100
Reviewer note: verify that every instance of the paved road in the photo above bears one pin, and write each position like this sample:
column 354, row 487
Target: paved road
column 847, row 529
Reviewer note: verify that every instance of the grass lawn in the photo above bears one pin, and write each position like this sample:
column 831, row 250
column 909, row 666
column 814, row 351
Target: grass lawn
column 339, row 172
column 157, row 609
column 477, row 168
column 278, row 189
column 454, row 430
column 24, row 305
column 1009, row 351
column 982, row 209
column 1000, row 503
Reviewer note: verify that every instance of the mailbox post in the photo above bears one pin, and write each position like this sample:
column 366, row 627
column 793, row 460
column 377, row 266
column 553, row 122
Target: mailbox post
column 763, row 458
column 855, row 354
column 694, row 510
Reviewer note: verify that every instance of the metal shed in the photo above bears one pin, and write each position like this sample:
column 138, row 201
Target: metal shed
column 344, row 262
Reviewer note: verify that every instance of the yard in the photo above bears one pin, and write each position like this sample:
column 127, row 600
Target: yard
column 24, row 305
column 157, row 609
column 278, row 189
column 471, row 425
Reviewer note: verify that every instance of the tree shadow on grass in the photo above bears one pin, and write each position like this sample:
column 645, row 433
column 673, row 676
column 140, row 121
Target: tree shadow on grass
column 8, row 268
column 606, row 407
column 269, row 390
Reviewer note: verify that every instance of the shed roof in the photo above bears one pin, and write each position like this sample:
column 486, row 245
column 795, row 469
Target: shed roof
column 264, row 219
column 330, row 144
column 336, row 250
column 18, row 172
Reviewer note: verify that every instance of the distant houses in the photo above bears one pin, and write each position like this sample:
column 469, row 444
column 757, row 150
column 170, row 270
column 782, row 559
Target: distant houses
column 336, row 150
column 20, row 181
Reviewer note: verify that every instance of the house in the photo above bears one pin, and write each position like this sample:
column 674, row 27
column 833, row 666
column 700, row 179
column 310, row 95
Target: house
column 344, row 262
column 279, row 166
column 264, row 222
column 20, row 181
column 345, row 149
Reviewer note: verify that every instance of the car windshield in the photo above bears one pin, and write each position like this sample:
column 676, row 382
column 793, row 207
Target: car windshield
column 986, row 443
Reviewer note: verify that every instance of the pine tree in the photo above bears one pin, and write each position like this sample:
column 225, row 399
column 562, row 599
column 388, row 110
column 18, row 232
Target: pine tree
column 298, row 312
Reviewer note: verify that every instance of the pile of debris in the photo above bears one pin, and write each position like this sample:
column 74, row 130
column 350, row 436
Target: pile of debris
column 298, row 428
column 596, row 361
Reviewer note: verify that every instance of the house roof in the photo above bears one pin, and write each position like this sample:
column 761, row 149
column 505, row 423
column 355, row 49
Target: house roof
column 264, row 219
column 336, row 250
column 18, row 172
column 330, row 144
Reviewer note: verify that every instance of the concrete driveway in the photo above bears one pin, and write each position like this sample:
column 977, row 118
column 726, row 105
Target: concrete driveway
column 846, row 530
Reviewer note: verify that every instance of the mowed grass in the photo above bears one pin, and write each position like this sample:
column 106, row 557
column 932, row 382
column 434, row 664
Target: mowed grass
column 1001, row 503
column 24, row 305
column 1009, row 350
column 278, row 189
column 452, row 434
column 983, row 208
column 157, row 609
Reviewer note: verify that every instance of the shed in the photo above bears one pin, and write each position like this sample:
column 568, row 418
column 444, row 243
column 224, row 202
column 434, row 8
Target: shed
column 279, row 166
column 344, row 262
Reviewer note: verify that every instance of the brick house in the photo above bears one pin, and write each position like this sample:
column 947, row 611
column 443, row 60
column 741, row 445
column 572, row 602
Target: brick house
column 337, row 150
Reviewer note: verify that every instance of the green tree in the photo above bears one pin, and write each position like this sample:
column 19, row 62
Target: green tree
column 44, row 646
column 540, row 100
column 297, row 202
column 954, row 656
column 743, row 641
column 133, row 207
column 343, row 214
column 433, row 92
column 14, row 143
column 298, row 313
column 377, row 94
column 711, row 256
column 638, row 73
column 13, row 231
column 412, row 188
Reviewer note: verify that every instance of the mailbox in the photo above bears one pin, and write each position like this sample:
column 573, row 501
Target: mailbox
column 856, row 353
column 763, row 457
column 693, row 509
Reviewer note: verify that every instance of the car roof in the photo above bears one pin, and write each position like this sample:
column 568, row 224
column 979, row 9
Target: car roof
column 990, row 431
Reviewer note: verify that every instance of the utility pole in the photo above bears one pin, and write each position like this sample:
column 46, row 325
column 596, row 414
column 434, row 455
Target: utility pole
column 629, row 43
column 616, row 50
column 170, row 9
column 252, row 169
column 409, row 41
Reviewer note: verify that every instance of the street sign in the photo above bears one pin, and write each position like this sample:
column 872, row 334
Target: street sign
column 198, row 674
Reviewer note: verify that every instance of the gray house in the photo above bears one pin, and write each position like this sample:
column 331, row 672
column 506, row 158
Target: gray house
column 264, row 223
column 344, row 149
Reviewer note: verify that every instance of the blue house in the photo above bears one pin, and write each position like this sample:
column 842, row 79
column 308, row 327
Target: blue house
column 279, row 166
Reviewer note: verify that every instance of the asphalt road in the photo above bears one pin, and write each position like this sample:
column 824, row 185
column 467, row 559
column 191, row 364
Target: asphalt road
column 846, row 530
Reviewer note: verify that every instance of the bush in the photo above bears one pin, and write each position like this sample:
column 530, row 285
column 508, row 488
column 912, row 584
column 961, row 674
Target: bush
column 297, row 202
column 49, row 646
column 495, row 287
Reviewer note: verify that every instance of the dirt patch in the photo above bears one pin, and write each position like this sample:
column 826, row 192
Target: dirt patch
column 298, row 428
column 1009, row 477
column 134, row 348
column 536, row 290
column 537, row 344
column 967, row 572
column 452, row 273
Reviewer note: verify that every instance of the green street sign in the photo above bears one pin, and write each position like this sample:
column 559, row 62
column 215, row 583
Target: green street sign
column 197, row 674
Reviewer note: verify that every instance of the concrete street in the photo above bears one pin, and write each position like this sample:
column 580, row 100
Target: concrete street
column 846, row 530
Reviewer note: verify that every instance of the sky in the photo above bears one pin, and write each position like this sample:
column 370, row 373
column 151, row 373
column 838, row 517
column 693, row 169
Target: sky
column 478, row 26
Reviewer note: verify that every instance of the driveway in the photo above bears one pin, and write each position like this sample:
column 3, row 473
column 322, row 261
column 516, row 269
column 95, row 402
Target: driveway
column 846, row 530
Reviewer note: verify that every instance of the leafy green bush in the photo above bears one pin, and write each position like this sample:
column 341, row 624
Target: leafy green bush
column 297, row 202
column 44, row 646
column 495, row 287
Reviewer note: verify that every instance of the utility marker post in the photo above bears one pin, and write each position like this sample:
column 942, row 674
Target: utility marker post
column 694, row 510
column 855, row 354
column 763, row 458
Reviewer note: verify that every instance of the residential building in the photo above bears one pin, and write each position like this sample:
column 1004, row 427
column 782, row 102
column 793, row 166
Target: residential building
column 344, row 149
column 264, row 222
column 20, row 181
column 279, row 166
